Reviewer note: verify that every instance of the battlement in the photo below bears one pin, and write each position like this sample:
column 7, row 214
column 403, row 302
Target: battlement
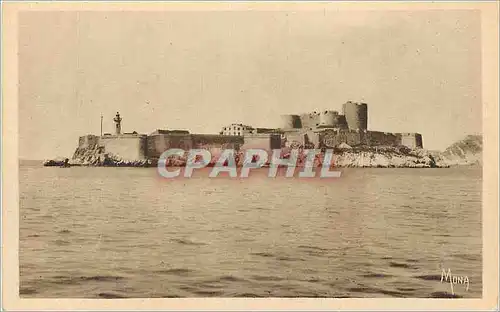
column 354, row 116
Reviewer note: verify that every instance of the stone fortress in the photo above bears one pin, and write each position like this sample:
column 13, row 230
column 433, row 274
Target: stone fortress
column 327, row 129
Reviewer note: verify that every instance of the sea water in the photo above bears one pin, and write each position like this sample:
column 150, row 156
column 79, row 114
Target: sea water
column 127, row 232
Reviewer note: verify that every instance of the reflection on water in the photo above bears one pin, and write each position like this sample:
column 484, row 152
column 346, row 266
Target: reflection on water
column 124, row 232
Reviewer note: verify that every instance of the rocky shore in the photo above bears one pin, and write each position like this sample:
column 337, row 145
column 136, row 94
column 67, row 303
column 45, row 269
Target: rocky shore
column 344, row 157
column 95, row 156
column 467, row 151
column 386, row 157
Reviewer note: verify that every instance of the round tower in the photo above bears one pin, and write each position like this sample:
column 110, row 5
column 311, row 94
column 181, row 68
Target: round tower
column 328, row 119
column 290, row 122
column 356, row 115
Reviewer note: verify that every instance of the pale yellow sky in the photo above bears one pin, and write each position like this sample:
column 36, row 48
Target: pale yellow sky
column 418, row 71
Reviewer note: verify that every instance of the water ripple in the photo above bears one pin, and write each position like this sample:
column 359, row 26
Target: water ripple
column 369, row 235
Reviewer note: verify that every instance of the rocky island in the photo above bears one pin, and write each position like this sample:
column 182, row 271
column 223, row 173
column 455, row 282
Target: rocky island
column 344, row 157
column 346, row 134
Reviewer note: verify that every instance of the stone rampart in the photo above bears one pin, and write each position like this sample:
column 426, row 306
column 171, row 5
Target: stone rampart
column 127, row 147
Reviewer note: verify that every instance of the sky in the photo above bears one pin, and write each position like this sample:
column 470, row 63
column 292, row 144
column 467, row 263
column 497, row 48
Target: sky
column 418, row 71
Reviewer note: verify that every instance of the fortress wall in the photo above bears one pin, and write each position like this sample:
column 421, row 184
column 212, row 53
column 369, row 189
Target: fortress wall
column 306, row 137
column 419, row 141
column 328, row 118
column 330, row 138
column 87, row 140
column 411, row 140
column 262, row 141
column 354, row 138
column 203, row 140
column 311, row 137
column 351, row 138
column 128, row 147
column 276, row 141
column 290, row 122
column 332, row 119
column 158, row 143
column 268, row 130
column 342, row 122
column 311, row 120
column 216, row 143
column 294, row 137
column 382, row 138
column 143, row 146
column 333, row 138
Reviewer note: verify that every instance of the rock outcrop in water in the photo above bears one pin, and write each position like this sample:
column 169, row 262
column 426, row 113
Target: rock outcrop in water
column 56, row 162
column 95, row 155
